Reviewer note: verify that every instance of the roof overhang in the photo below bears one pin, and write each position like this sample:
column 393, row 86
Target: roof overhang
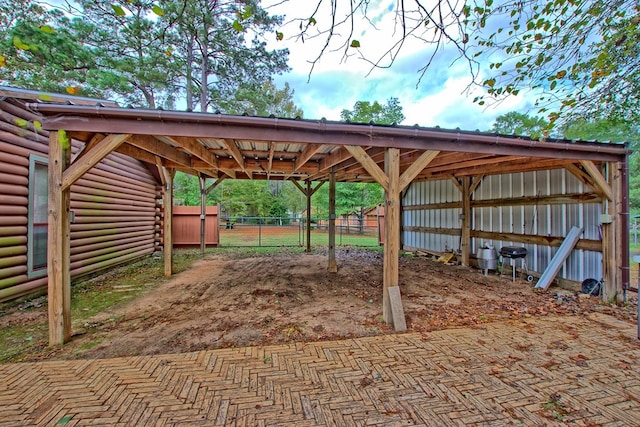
column 273, row 148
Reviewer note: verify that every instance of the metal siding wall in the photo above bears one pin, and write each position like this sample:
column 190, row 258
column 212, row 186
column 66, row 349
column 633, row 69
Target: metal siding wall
column 545, row 220
column 116, row 206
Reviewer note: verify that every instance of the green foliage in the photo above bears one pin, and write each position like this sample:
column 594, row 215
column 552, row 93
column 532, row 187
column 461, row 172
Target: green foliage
column 262, row 99
column 351, row 198
column 366, row 112
column 139, row 52
column 615, row 131
column 581, row 56
column 514, row 123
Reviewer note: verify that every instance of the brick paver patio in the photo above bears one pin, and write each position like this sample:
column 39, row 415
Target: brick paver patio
column 542, row 371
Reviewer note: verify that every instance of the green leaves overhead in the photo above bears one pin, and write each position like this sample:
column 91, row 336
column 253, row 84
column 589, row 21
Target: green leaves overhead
column 19, row 44
column 157, row 10
column 355, row 43
column 367, row 112
column 574, row 53
column 237, row 26
column 118, row 10
column 47, row 29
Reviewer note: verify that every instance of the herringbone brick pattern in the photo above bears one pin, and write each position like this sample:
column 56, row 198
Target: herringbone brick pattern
column 548, row 371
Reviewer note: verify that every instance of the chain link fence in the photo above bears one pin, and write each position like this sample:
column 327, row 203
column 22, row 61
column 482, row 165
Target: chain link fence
column 291, row 231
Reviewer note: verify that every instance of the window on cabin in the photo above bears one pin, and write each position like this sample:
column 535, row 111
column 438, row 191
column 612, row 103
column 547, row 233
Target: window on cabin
column 38, row 216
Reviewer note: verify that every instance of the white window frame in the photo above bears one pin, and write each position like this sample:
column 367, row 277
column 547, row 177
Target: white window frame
column 33, row 272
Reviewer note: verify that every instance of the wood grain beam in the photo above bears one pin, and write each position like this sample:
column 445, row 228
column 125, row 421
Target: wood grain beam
column 416, row 167
column 599, row 180
column 59, row 249
column 272, row 150
column 308, row 152
column 215, row 184
column 372, row 167
column 99, row 151
column 334, row 158
column 194, row 147
column 159, row 148
column 90, row 144
column 235, row 152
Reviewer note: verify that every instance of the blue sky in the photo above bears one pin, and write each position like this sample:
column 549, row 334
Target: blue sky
column 440, row 99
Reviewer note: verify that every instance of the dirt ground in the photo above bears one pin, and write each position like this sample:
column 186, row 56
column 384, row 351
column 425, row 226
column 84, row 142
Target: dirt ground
column 225, row 301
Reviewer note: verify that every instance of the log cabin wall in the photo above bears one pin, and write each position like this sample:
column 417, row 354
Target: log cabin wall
column 530, row 209
column 115, row 207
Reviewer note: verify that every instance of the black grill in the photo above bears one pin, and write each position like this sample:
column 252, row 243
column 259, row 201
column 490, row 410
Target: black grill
column 513, row 252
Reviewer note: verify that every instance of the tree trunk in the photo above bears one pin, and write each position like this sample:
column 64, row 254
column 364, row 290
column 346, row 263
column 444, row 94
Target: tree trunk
column 189, row 74
column 204, row 81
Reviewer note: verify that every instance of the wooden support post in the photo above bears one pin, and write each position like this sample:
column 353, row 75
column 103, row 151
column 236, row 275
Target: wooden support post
column 203, row 213
column 465, row 237
column 308, row 195
column 333, row 266
column 611, row 239
column 58, row 261
column 168, row 221
column 392, row 230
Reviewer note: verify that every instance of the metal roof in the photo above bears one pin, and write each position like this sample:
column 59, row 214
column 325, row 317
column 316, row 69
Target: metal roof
column 40, row 96
column 243, row 147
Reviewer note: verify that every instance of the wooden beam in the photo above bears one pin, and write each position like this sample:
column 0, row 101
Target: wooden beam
column 316, row 188
column 338, row 156
column 58, row 253
column 612, row 241
column 475, row 184
column 581, row 175
column 308, row 194
column 372, row 167
column 202, row 180
column 98, row 152
column 272, row 150
column 465, row 223
column 299, row 187
column 306, row 155
column 159, row 148
column 215, row 184
column 140, row 154
column 391, row 229
column 95, row 139
column 457, row 183
column 235, row 152
column 416, row 167
column 196, row 149
column 599, row 180
column 158, row 162
column 167, row 200
column 333, row 266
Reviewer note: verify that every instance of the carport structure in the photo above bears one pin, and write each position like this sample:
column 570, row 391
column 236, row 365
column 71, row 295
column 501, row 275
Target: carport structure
column 315, row 151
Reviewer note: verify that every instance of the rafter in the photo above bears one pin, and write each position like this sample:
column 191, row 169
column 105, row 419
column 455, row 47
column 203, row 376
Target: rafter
column 159, row 148
column 272, row 150
column 599, row 181
column 195, row 148
column 309, row 151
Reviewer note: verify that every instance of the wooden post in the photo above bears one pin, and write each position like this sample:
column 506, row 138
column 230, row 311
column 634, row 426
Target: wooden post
column 392, row 229
column 167, row 197
column 308, row 195
column 58, row 264
column 203, row 213
column 608, row 246
column 333, row 266
column 465, row 238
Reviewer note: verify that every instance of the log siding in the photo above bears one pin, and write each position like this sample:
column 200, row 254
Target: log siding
column 115, row 207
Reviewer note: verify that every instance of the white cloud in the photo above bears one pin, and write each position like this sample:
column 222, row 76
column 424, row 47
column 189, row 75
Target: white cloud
column 440, row 99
